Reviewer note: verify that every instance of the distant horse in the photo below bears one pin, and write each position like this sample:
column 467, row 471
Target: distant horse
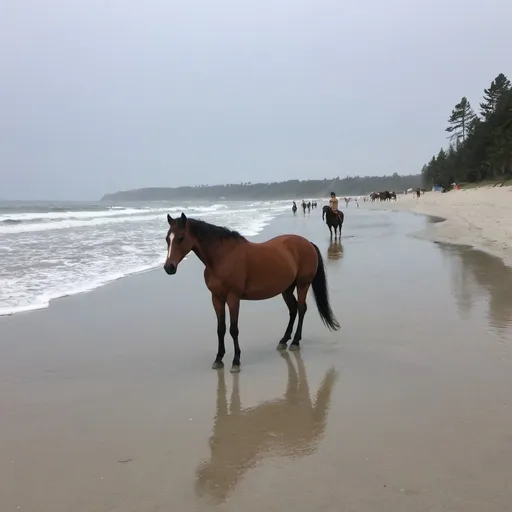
column 304, row 207
column 383, row 196
column 392, row 196
column 291, row 425
column 332, row 220
column 313, row 204
column 309, row 206
column 237, row 269
column 294, row 208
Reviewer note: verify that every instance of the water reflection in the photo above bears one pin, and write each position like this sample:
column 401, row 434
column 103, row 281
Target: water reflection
column 477, row 276
column 335, row 250
column 289, row 426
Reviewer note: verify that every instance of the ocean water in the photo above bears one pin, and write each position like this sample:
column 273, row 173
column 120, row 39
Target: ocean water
column 51, row 250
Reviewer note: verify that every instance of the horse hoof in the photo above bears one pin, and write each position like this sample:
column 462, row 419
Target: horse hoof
column 217, row 365
column 294, row 347
column 281, row 347
column 235, row 368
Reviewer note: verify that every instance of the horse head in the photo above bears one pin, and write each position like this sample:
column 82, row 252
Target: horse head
column 179, row 243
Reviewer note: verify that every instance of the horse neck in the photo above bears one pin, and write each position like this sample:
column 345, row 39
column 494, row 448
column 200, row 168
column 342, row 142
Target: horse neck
column 212, row 252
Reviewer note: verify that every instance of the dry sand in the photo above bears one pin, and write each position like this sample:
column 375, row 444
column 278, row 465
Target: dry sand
column 479, row 217
column 108, row 402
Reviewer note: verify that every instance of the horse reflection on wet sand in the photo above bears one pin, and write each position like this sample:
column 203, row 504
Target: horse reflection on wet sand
column 335, row 251
column 290, row 426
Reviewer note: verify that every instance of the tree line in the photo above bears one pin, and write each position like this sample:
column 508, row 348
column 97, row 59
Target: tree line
column 291, row 189
column 480, row 145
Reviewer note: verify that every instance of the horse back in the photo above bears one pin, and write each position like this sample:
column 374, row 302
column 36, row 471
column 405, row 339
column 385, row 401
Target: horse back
column 261, row 270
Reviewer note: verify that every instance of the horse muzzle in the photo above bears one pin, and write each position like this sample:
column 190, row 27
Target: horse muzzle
column 170, row 268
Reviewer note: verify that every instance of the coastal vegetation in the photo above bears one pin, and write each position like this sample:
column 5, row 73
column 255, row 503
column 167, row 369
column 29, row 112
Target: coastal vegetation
column 480, row 147
column 291, row 189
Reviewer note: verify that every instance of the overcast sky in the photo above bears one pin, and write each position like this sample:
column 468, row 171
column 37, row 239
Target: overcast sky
column 105, row 95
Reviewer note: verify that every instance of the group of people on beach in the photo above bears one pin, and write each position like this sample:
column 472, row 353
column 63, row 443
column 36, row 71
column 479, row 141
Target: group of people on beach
column 309, row 205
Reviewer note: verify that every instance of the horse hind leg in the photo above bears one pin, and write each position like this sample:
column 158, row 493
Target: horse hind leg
column 291, row 302
column 302, row 292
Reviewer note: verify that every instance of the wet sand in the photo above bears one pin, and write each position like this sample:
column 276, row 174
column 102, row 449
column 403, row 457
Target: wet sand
column 108, row 402
column 478, row 217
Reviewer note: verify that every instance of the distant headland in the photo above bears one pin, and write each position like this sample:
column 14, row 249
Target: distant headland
column 297, row 189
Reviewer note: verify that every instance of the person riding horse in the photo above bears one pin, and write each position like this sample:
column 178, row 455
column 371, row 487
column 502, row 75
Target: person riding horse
column 333, row 203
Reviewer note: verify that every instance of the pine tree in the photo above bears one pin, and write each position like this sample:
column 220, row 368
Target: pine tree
column 500, row 150
column 460, row 120
column 441, row 168
column 492, row 96
column 429, row 173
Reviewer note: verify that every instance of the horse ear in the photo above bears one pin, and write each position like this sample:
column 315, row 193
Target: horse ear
column 183, row 219
column 170, row 220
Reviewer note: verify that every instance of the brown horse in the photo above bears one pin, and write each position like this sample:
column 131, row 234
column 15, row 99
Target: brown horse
column 237, row 269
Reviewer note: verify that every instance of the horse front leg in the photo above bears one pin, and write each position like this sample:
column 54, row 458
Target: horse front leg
column 220, row 309
column 234, row 308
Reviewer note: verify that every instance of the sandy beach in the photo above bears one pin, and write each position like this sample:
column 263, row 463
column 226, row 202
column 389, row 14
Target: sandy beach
column 479, row 217
column 108, row 401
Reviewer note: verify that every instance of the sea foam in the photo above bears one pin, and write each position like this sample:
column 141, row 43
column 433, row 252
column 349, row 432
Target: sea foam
column 45, row 255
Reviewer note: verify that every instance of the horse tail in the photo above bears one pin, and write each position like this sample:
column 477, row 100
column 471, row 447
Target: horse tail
column 321, row 294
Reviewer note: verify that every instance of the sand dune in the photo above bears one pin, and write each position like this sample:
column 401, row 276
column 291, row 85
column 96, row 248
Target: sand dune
column 481, row 217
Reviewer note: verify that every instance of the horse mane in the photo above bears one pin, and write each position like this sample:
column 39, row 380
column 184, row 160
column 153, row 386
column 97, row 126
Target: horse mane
column 209, row 233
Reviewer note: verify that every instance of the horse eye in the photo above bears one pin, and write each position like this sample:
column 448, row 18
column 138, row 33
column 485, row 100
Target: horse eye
column 180, row 238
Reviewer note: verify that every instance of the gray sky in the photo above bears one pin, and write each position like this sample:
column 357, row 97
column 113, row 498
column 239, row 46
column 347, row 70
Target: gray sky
column 98, row 96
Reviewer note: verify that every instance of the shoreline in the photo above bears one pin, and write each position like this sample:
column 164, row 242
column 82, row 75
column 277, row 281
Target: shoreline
column 452, row 221
column 45, row 302
column 480, row 218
